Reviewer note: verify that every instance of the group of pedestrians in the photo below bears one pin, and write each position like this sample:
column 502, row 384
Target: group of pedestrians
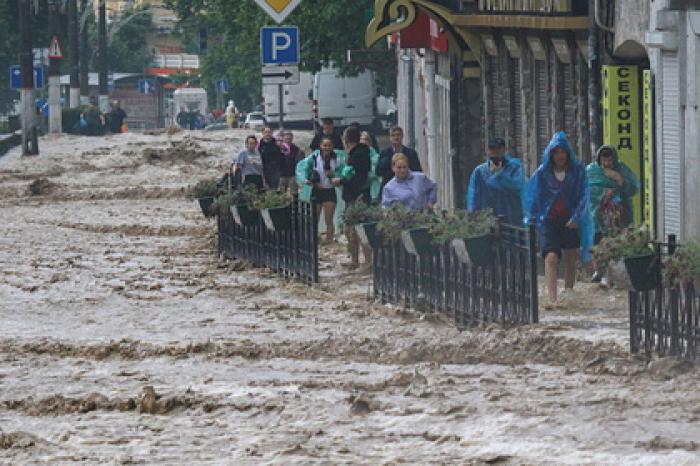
column 570, row 204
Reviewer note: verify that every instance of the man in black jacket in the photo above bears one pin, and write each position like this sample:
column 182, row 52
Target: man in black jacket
column 384, row 170
column 328, row 131
column 271, row 159
column 356, row 188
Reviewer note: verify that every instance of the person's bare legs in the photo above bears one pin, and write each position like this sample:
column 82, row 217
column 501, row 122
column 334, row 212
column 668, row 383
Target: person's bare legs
column 550, row 275
column 329, row 212
column 570, row 261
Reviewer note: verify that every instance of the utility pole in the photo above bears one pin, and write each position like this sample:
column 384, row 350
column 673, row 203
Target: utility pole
column 280, row 93
column 102, row 41
column 30, row 144
column 55, row 56
column 594, row 78
column 84, row 55
column 73, row 28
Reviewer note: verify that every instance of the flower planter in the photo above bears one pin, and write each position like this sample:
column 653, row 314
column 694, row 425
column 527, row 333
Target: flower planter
column 277, row 219
column 480, row 249
column 367, row 232
column 244, row 216
column 644, row 271
column 205, row 204
column 417, row 241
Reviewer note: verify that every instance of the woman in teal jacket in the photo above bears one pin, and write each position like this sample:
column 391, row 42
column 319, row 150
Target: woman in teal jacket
column 315, row 175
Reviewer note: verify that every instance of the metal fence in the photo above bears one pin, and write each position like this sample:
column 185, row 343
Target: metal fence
column 665, row 320
column 292, row 253
column 504, row 291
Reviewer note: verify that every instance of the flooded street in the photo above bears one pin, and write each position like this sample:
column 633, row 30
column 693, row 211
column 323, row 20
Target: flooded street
column 126, row 340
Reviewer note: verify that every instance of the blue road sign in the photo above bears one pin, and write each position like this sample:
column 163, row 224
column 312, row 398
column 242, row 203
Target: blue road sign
column 16, row 77
column 147, row 86
column 279, row 45
column 222, row 85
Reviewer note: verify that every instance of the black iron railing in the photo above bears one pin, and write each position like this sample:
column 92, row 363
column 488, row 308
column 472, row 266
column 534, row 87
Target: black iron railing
column 665, row 320
column 505, row 291
column 292, row 253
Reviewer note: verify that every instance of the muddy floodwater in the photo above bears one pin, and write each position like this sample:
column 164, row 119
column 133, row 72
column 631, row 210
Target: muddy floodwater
column 124, row 339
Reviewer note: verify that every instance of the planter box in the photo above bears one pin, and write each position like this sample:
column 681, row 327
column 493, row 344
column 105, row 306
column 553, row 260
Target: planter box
column 417, row 241
column 205, row 204
column 477, row 250
column 244, row 216
column 644, row 271
column 367, row 232
column 277, row 219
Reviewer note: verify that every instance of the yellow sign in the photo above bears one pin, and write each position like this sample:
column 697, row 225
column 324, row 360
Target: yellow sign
column 621, row 120
column 522, row 6
column 278, row 9
column 648, row 194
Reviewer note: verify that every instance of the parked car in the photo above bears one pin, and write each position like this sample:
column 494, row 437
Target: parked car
column 255, row 120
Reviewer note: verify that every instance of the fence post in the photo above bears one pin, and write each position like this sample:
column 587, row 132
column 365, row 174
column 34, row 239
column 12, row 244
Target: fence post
column 532, row 251
column 632, row 302
column 675, row 343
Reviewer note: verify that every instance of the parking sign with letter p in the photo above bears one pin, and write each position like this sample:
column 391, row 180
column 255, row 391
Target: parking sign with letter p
column 279, row 45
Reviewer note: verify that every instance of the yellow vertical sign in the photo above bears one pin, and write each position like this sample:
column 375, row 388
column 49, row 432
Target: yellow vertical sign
column 621, row 120
column 648, row 152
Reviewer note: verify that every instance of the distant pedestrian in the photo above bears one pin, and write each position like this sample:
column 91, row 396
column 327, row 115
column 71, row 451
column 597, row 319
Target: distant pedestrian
column 116, row 118
column 373, row 181
column 413, row 190
column 271, row 159
column 184, row 119
column 231, row 114
column 249, row 163
column 558, row 197
column 355, row 188
column 498, row 184
column 613, row 185
column 290, row 158
column 328, row 130
column 384, row 166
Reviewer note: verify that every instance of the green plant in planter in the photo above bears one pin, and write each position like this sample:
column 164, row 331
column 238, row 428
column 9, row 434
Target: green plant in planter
column 629, row 242
column 272, row 200
column 360, row 212
column 461, row 225
column 683, row 266
column 204, row 188
column 398, row 218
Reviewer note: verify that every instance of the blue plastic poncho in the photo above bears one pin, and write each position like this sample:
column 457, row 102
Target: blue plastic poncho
column 501, row 191
column 543, row 190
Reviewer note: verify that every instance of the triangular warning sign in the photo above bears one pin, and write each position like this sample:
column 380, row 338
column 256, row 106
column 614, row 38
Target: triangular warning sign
column 55, row 48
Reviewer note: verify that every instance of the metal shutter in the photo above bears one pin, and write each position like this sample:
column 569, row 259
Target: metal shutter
column 516, row 107
column 671, row 143
column 542, row 109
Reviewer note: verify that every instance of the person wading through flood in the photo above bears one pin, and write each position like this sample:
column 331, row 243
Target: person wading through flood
column 384, row 169
column 498, row 184
column 291, row 155
column 558, row 204
column 612, row 184
column 249, row 163
column 413, row 190
column 356, row 188
column 271, row 159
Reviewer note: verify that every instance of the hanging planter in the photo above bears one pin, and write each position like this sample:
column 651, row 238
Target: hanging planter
column 244, row 215
column 476, row 250
column 367, row 232
column 205, row 204
column 418, row 241
column 644, row 271
column 277, row 218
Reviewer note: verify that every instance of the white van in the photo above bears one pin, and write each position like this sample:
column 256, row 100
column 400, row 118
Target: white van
column 297, row 103
column 350, row 99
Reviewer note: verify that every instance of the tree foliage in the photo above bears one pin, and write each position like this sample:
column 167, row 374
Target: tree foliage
column 126, row 42
column 327, row 30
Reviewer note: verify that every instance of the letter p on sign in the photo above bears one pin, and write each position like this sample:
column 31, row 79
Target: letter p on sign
column 279, row 45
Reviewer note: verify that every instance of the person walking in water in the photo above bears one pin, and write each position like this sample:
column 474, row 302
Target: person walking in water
column 497, row 184
column 558, row 204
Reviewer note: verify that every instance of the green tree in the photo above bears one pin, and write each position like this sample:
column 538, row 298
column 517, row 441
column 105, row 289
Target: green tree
column 127, row 47
column 328, row 29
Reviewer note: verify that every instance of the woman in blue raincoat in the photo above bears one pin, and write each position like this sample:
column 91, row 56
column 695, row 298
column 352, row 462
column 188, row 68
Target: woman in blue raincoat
column 558, row 204
column 498, row 185
column 315, row 175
